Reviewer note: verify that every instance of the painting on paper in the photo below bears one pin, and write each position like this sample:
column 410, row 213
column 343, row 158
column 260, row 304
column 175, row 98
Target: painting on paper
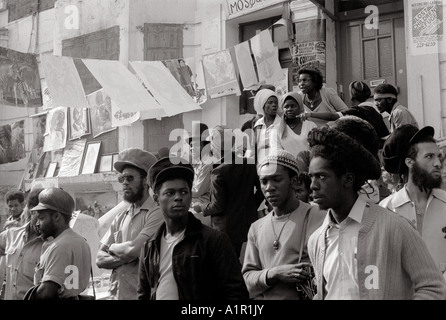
column 100, row 112
column 56, row 129
column 79, row 120
column 12, row 142
column 267, row 58
column 72, row 158
column 19, row 79
column 63, row 81
column 219, row 74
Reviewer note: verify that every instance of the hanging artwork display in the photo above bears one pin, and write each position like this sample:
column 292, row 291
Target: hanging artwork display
column 12, row 142
column 125, row 90
column 246, row 66
column 72, row 158
column 100, row 112
column 219, row 74
column 20, row 80
column 63, row 80
column 79, row 122
column 56, row 129
column 164, row 88
column 267, row 58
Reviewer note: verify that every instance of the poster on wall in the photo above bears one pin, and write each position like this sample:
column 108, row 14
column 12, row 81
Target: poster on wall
column 219, row 74
column 308, row 54
column 63, row 81
column 100, row 112
column 56, row 129
column 182, row 73
column 267, row 58
column 426, row 27
column 20, row 80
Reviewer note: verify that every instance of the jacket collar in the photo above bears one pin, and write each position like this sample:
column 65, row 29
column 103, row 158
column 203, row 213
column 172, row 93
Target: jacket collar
column 402, row 197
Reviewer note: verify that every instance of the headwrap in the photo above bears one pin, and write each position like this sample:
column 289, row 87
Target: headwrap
column 384, row 95
column 298, row 98
column 359, row 90
column 260, row 99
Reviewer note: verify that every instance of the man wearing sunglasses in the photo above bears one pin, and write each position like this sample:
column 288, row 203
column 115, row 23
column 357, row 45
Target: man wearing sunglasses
column 121, row 245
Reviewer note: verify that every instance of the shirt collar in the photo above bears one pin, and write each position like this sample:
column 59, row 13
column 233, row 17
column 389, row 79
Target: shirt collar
column 402, row 197
column 356, row 212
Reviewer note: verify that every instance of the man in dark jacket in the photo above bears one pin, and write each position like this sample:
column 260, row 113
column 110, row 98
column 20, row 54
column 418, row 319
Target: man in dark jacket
column 235, row 190
column 186, row 260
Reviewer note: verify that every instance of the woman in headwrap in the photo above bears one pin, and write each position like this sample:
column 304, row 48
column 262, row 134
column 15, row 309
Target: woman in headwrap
column 293, row 130
column 266, row 104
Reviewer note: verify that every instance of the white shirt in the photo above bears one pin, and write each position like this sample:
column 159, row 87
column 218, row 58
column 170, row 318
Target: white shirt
column 340, row 267
column 167, row 288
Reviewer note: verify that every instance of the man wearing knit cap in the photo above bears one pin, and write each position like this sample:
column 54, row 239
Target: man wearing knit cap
column 121, row 245
column 362, row 251
column 386, row 100
column 276, row 256
column 63, row 271
column 235, row 192
column 415, row 155
column 185, row 259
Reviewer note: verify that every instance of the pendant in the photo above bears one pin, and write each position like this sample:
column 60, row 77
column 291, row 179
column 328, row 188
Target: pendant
column 276, row 244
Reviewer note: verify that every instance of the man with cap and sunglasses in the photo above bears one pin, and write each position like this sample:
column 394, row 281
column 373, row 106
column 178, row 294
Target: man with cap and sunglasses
column 415, row 155
column 63, row 271
column 185, row 260
column 362, row 251
column 121, row 245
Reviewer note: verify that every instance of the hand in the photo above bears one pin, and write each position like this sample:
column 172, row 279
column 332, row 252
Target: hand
column 290, row 273
column 304, row 116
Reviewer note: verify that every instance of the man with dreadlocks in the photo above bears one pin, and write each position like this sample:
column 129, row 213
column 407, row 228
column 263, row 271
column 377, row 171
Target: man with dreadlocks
column 362, row 251
column 415, row 154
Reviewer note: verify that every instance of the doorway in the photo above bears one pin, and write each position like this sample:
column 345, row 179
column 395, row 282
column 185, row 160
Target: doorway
column 374, row 55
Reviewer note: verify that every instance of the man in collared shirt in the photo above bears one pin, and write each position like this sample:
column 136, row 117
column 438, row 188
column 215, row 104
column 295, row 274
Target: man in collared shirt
column 415, row 153
column 362, row 251
column 121, row 245
column 21, row 247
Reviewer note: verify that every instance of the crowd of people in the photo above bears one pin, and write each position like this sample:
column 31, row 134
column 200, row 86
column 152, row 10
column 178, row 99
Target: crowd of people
column 319, row 201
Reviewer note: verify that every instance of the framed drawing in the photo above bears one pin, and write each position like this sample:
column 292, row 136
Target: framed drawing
column 91, row 157
column 106, row 162
column 72, row 158
column 51, row 170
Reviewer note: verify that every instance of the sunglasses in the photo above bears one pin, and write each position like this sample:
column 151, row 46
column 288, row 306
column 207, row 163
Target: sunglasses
column 123, row 177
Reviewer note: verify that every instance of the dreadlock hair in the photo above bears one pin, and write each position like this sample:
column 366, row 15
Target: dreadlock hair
column 345, row 155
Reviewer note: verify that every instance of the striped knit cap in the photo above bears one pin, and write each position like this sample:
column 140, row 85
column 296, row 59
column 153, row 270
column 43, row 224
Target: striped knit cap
column 280, row 157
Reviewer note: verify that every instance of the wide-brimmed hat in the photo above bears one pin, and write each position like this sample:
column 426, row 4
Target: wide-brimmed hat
column 55, row 199
column 135, row 157
column 397, row 144
column 169, row 168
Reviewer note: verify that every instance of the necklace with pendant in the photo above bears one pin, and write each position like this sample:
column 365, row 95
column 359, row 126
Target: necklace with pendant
column 276, row 243
column 311, row 101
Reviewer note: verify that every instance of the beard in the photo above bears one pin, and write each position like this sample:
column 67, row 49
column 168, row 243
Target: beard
column 423, row 180
column 133, row 197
